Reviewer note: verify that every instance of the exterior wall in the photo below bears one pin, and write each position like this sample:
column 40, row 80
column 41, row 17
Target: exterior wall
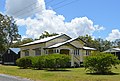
column 77, row 43
column 57, row 40
column 80, row 56
column 30, row 49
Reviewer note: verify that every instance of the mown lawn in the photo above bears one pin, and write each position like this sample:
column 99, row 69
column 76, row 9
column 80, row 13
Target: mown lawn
column 72, row 74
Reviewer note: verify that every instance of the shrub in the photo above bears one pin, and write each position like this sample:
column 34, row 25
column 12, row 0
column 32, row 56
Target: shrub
column 38, row 62
column 55, row 61
column 52, row 61
column 100, row 63
column 24, row 62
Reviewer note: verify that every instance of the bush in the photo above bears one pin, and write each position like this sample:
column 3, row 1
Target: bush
column 100, row 63
column 24, row 62
column 52, row 61
column 55, row 61
column 38, row 62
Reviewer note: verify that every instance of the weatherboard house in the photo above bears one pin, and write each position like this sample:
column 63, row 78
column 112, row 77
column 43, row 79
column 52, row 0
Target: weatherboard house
column 61, row 44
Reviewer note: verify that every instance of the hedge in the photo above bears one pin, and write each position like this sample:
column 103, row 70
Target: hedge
column 55, row 61
column 38, row 62
column 52, row 61
column 25, row 62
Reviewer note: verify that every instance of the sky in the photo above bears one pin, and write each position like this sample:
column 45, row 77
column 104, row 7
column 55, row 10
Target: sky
column 97, row 18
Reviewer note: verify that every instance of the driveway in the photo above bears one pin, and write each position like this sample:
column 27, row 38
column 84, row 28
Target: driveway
column 4, row 77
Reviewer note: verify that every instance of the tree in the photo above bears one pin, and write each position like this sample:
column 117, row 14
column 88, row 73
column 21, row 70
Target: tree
column 8, row 32
column 102, row 45
column 99, row 44
column 26, row 40
column 117, row 43
column 47, row 34
column 2, row 39
column 87, row 39
column 11, row 31
column 100, row 63
column 20, row 42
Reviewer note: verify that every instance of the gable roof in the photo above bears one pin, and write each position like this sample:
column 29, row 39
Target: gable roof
column 113, row 50
column 44, row 40
column 60, row 44
column 16, row 50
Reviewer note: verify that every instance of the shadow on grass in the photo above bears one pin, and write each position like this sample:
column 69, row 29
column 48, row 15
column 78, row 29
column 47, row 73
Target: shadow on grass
column 60, row 70
column 23, row 68
column 103, row 73
column 47, row 69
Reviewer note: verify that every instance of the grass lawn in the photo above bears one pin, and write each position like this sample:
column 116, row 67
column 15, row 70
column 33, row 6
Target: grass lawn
column 73, row 74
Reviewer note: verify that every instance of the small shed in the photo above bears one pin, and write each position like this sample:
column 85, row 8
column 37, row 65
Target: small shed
column 10, row 56
column 115, row 51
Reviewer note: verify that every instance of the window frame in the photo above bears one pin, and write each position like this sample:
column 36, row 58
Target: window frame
column 37, row 51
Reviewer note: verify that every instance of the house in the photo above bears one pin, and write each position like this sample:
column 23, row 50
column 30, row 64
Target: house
column 10, row 56
column 115, row 51
column 62, row 44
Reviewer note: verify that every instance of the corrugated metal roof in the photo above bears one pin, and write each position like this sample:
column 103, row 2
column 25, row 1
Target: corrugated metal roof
column 113, row 50
column 59, row 44
column 16, row 50
column 88, row 48
column 117, row 49
column 42, row 40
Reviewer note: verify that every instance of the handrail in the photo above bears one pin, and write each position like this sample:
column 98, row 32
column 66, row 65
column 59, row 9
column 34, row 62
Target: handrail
column 77, row 58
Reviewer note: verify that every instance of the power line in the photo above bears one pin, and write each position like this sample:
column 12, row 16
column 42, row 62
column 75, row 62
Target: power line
column 24, row 8
column 59, row 2
column 17, row 12
column 39, row 6
column 66, row 4
column 73, row 1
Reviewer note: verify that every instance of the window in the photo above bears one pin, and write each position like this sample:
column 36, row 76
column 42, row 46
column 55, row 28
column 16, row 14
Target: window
column 87, row 52
column 76, row 52
column 8, row 51
column 38, row 51
column 46, row 51
column 57, row 51
column 26, row 53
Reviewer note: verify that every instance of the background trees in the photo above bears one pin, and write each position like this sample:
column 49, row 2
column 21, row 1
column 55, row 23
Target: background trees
column 20, row 42
column 99, row 44
column 47, row 34
column 117, row 43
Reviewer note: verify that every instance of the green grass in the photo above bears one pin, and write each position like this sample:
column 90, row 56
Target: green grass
column 73, row 74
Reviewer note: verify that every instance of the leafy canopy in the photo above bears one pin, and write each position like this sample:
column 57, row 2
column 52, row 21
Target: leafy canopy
column 8, row 32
